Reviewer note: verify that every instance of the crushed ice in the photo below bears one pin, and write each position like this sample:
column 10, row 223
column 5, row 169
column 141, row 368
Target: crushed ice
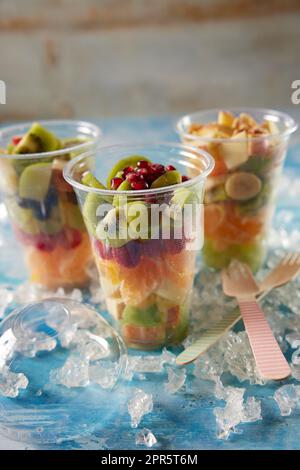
column 11, row 383
column 231, row 355
column 237, row 410
column 287, row 398
column 176, row 379
column 145, row 437
column 139, row 404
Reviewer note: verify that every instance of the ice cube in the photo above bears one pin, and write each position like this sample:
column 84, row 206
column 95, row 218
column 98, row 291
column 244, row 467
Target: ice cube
column 74, row 373
column 231, row 354
column 104, row 373
column 11, row 383
column 252, row 410
column 30, row 345
column 176, row 379
column 293, row 339
column 145, row 437
column 236, row 410
column 148, row 364
column 90, row 346
column 287, row 398
column 139, row 404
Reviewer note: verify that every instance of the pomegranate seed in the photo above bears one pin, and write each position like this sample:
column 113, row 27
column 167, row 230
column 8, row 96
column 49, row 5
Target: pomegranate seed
column 127, row 169
column 142, row 184
column 170, row 168
column 115, row 183
column 142, row 164
column 15, row 140
column 184, row 178
column 143, row 172
column 131, row 177
column 157, row 168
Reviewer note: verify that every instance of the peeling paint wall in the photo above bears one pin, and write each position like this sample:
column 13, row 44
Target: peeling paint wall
column 70, row 58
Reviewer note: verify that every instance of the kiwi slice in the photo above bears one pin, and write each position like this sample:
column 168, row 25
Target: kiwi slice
column 37, row 140
column 125, row 186
column 89, row 211
column 142, row 317
column 184, row 196
column 22, row 217
column 35, row 181
column 88, row 179
column 167, row 179
column 108, row 230
column 242, row 186
column 128, row 161
column 51, row 226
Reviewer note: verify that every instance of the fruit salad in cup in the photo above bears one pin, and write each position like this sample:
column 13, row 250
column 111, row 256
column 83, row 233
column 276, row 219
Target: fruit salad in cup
column 249, row 147
column 41, row 205
column 146, row 232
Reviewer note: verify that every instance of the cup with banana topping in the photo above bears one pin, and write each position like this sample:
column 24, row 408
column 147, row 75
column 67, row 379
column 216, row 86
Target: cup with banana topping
column 249, row 147
column 41, row 205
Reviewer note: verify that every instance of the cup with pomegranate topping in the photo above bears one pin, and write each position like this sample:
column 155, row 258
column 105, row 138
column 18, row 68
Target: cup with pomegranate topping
column 42, row 206
column 249, row 148
column 143, row 215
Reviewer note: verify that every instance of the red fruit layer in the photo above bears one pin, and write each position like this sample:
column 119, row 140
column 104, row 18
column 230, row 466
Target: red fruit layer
column 68, row 238
column 128, row 255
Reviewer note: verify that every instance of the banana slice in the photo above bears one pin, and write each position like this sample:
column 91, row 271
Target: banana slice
column 242, row 186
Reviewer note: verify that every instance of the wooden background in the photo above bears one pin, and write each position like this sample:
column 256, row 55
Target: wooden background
column 69, row 58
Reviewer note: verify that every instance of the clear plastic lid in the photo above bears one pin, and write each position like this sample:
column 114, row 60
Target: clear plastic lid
column 59, row 361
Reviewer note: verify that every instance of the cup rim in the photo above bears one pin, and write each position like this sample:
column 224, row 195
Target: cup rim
column 293, row 125
column 55, row 153
column 208, row 159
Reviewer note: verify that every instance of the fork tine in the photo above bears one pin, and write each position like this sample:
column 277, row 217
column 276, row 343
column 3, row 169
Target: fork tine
column 298, row 258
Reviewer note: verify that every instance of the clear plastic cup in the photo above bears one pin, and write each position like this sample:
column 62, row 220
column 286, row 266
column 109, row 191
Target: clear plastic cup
column 49, row 227
column 240, row 192
column 145, row 242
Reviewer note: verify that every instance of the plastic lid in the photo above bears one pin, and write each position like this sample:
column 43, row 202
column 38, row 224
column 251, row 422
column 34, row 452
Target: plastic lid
column 59, row 361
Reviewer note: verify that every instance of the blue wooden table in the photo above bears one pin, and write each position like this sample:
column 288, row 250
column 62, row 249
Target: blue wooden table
column 184, row 420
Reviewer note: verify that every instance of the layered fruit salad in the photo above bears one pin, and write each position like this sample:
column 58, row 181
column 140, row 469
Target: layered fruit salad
column 147, row 263
column 239, row 196
column 43, row 208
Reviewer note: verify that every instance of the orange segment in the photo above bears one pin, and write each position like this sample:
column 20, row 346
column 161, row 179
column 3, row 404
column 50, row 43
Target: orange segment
column 60, row 267
column 180, row 269
column 139, row 282
column 149, row 337
column 230, row 227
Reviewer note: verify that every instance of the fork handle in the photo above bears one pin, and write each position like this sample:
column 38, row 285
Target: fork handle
column 269, row 358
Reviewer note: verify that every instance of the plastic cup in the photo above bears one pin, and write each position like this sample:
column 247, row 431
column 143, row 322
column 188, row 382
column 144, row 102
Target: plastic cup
column 49, row 227
column 145, row 242
column 237, row 223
